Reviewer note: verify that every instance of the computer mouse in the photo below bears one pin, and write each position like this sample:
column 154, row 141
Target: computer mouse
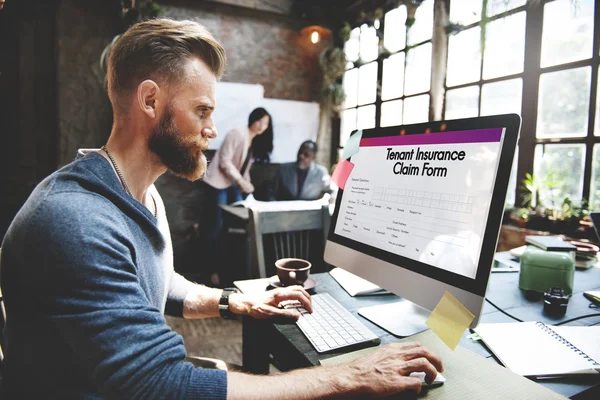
column 438, row 381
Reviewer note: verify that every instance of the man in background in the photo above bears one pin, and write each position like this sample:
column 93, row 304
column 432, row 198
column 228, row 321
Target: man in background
column 303, row 179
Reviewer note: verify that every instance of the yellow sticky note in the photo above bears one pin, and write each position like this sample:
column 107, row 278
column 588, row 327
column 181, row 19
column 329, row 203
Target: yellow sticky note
column 449, row 320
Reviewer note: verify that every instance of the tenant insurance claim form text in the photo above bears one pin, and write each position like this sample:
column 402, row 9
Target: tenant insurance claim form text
column 424, row 197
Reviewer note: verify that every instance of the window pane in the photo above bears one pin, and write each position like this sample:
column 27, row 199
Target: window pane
column 367, row 83
column 465, row 12
column 422, row 29
column 351, row 88
column 512, row 182
column 595, row 188
column 416, row 109
column 369, row 43
column 352, row 45
column 504, row 46
column 347, row 125
column 559, row 169
column 563, row 103
column 462, row 103
column 394, row 37
column 464, row 57
column 495, row 7
column 393, row 77
column 366, row 117
column 568, row 31
column 597, row 124
column 502, row 97
column 391, row 113
column 418, row 70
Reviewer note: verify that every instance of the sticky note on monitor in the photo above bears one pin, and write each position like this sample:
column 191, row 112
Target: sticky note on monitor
column 341, row 173
column 449, row 320
column 352, row 145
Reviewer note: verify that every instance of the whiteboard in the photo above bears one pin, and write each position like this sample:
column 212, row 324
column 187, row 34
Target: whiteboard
column 293, row 123
column 235, row 102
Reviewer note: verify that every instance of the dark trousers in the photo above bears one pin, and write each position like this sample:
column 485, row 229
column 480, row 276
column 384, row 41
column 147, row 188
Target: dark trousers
column 215, row 246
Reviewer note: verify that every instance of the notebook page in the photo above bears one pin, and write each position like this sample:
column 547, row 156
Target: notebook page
column 529, row 350
column 585, row 338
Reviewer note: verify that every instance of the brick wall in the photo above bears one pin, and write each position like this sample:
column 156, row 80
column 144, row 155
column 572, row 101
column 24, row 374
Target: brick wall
column 262, row 47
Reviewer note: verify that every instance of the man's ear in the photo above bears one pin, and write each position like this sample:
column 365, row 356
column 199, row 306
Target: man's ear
column 147, row 97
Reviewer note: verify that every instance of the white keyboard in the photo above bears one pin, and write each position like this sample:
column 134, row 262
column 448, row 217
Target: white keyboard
column 331, row 326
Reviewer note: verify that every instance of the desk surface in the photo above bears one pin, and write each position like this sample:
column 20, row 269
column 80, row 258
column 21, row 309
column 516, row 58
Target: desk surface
column 290, row 349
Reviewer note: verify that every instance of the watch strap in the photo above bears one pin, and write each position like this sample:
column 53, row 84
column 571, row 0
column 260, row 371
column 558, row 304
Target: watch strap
column 224, row 310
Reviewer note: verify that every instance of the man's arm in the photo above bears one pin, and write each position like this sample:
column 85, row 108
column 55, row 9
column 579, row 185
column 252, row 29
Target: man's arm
column 203, row 302
column 379, row 374
column 91, row 296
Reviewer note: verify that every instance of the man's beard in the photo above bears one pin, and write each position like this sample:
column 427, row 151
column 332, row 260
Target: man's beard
column 184, row 158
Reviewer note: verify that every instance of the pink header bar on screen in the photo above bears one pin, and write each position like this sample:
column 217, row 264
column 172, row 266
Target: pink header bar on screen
column 471, row 136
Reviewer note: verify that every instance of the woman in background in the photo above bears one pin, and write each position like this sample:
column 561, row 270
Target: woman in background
column 228, row 174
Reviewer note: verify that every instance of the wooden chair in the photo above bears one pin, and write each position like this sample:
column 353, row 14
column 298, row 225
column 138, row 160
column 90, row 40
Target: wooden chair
column 281, row 234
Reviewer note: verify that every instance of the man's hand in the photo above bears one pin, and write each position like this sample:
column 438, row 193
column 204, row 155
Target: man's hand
column 266, row 305
column 380, row 374
column 245, row 186
column 385, row 371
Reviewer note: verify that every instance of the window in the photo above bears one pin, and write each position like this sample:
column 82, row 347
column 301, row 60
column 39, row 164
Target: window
column 595, row 190
column 486, row 79
column 406, row 77
column 566, row 142
column 389, row 85
column 495, row 64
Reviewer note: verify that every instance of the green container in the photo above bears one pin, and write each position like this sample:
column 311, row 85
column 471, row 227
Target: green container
column 541, row 270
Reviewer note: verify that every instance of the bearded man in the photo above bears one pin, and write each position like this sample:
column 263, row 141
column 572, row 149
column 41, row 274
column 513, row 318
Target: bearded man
column 87, row 263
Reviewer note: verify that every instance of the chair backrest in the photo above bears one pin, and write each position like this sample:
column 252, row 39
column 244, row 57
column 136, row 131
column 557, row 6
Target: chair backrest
column 281, row 234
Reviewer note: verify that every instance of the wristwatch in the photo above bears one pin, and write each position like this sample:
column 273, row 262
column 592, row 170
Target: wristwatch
column 224, row 303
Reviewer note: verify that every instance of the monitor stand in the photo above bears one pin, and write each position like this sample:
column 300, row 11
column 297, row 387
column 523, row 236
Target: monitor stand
column 403, row 318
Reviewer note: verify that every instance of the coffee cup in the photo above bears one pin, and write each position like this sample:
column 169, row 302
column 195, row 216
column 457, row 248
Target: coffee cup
column 292, row 271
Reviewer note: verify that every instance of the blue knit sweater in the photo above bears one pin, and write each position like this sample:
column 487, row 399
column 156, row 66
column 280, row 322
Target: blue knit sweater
column 86, row 274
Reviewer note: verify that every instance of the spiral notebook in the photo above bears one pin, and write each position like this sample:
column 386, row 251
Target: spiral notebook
column 538, row 350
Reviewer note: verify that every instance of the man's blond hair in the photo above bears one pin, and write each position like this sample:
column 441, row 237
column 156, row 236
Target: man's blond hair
column 158, row 49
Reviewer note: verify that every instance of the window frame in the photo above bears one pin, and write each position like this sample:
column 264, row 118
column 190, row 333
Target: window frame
column 378, row 100
column 529, row 106
column 532, row 71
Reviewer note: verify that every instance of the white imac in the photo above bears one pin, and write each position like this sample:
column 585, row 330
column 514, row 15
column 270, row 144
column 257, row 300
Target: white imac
column 420, row 214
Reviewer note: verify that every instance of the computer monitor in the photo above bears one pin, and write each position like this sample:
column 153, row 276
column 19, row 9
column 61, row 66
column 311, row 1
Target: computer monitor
column 421, row 211
column 595, row 217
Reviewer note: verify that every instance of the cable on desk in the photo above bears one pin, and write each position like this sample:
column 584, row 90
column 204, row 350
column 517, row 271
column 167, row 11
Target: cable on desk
column 560, row 323
column 577, row 318
column 502, row 311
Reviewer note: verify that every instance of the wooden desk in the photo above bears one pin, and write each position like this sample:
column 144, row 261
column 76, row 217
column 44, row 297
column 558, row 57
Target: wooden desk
column 290, row 349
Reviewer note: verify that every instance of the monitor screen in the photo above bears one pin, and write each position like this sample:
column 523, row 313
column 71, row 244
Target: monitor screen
column 427, row 199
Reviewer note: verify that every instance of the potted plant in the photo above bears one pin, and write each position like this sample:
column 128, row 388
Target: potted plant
column 561, row 217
